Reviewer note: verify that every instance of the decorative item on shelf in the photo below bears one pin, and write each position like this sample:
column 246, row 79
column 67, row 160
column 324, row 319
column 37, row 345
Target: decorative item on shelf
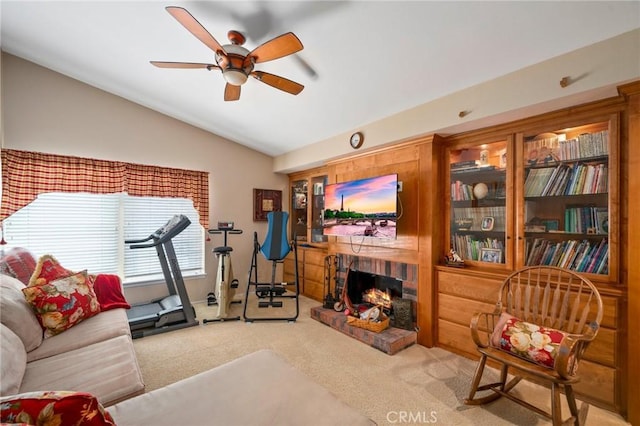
column 453, row 259
column 487, row 223
column 300, row 200
column 535, row 225
column 564, row 82
column 550, row 224
column 491, row 255
column 484, row 157
column 543, row 149
column 502, row 154
column 480, row 190
column 463, row 223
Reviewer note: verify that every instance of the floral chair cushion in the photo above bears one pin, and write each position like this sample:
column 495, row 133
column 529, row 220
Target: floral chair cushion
column 62, row 303
column 529, row 341
column 54, row 408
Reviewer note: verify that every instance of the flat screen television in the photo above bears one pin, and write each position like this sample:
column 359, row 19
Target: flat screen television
column 364, row 207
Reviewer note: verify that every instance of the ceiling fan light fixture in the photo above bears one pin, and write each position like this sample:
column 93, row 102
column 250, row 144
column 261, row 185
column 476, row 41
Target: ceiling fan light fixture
column 235, row 61
column 234, row 77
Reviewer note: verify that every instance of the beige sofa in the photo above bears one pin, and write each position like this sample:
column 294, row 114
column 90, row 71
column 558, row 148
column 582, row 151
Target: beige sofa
column 95, row 356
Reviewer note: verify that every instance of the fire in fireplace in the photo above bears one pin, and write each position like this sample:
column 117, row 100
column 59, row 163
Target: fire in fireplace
column 361, row 283
column 377, row 297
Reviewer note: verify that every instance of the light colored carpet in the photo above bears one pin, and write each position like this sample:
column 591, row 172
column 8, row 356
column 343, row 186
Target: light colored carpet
column 415, row 386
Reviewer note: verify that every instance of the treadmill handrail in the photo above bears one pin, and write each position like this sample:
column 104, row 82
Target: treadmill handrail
column 163, row 234
column 137, row 246
column 138, row 241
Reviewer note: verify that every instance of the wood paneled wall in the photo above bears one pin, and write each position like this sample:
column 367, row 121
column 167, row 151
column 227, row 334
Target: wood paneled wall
column 416, row 164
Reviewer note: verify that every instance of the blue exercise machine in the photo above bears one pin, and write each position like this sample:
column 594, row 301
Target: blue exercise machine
column 274, row 248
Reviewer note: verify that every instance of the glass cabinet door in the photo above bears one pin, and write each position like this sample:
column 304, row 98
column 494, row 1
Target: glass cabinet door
column 567, row 198
column 478, row 203
column 299, row 206
column 317, row 209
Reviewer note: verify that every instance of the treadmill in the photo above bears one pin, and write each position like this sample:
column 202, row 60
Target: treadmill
column 175, row 310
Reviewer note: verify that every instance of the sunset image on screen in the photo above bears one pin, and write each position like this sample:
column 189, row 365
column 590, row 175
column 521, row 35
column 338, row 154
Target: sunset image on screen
column 364, row 207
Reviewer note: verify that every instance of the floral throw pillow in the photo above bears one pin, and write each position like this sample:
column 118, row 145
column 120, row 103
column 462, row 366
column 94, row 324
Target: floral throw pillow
column 54, row 408
column 62, row 303
column 48, row 269
column 528, row 341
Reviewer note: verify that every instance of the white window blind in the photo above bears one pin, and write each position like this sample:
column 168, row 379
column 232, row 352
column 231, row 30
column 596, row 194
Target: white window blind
column 143, row 216
column 87, row 231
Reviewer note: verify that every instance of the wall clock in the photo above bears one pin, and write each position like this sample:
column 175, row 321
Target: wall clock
column 356, row 140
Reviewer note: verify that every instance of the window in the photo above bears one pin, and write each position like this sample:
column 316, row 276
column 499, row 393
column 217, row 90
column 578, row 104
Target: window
column 87, row 231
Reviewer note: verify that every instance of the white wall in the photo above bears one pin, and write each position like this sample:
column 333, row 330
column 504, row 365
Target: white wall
column 595, row 72
column 47, row 112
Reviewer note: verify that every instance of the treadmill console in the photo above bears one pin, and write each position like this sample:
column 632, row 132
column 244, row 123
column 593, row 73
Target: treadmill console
column 225, row 226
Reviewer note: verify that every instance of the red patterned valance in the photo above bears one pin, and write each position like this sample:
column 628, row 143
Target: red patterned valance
column 27, row 174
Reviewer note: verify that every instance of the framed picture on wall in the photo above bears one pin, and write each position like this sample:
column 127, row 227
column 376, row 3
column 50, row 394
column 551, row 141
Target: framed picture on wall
column 265, row 201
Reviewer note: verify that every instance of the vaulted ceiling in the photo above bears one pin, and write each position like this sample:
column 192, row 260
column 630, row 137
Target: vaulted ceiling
column 362, row 61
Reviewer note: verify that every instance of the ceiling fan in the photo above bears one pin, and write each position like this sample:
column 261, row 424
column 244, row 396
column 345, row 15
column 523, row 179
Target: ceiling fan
column 236, row 62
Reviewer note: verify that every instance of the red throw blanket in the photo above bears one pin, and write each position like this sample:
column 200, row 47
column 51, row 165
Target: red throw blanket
column 109, row 292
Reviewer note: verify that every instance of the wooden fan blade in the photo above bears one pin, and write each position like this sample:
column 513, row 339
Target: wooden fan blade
column 281, row 46
column 231, row 92
column 194, row 27
column 278, row 82
column 162, row 64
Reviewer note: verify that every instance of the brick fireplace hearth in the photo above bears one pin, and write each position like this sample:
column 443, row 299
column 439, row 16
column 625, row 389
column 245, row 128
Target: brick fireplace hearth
column 393, row 339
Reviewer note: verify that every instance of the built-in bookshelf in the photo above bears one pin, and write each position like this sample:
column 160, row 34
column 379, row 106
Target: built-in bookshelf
column 566, row 198
column 548, row 205
column 478, row 193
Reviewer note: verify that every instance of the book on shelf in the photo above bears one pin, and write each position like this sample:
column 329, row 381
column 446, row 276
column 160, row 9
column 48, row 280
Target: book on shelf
column 598, row 252
column 498, row 213
column 580, row 256
column 586, row 220
column 463, row 165
column 473, row 169
column 566, row 180
column 602, row 220
column 469, row 246
column 537, row 181
column 603, row 267
column 586, row 145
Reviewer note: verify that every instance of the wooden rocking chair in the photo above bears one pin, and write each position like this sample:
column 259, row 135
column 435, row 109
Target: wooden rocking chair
column 555, row 309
